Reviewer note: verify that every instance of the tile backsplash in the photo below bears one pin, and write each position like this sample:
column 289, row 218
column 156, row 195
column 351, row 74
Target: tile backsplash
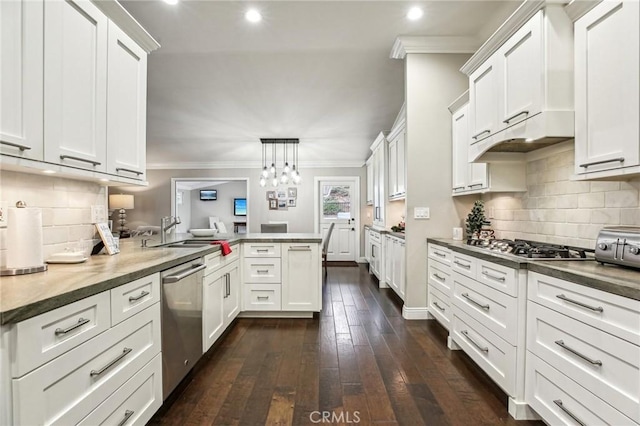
column 66, row 208
column 557, row 210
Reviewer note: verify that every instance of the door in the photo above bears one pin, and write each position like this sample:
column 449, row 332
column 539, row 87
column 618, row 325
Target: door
column 338, row 204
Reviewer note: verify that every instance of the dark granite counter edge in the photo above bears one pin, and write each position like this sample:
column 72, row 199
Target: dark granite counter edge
column 385, row 231
column 480, row 254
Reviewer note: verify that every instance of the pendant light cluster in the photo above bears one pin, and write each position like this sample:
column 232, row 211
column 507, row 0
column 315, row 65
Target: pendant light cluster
column 269, row 175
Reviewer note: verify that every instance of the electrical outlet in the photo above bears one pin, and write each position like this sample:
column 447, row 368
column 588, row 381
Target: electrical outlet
column 421, row 213
column 491, row 213
column 98, row 214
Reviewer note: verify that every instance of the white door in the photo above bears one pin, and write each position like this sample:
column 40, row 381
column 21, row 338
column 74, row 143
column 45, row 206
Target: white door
column 338, row 204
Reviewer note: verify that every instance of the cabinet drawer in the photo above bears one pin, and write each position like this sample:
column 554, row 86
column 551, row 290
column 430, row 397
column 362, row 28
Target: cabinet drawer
column 262, row 250
column 494, row 309
column 68, row 388
column 614, row 314
column 465, row 265
column 258, row 270
column 604, row 364
column 495, row 356
column 135, row 402
column 547, row 387
column 440, row 307
column 46, row 336
column 499, row 277
column 213, row 262
column 439, row 253
column 375, row 237
column 131, row 298
column 262, row 297
column 440, row 277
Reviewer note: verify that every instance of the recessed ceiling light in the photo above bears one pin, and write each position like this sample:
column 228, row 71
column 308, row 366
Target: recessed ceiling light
column 49, row 172
column 253, row 15
column 415, row 13
column 171, row 2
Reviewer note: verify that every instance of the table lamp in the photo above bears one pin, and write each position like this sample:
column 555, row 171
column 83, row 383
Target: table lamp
column 123, row 202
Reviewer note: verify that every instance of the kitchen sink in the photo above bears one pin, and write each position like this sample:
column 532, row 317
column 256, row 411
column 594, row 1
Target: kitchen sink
column 189, row 244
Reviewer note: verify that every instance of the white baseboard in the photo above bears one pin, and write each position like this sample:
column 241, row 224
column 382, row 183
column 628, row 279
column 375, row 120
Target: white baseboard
column 520, row 410
column 362, row 260
column 420, row 313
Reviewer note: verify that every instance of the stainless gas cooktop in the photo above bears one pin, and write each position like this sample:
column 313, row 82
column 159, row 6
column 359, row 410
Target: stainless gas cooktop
column 535, row 250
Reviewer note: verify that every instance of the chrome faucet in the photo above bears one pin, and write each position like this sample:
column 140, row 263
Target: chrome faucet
column 166, row 223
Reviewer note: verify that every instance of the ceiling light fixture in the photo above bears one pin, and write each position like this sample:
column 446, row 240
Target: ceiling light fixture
column 171, row 2
column 415, row 13
column 253, row 15
column 289, row 173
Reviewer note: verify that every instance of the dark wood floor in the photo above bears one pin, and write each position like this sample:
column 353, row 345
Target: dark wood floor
column 358, row 361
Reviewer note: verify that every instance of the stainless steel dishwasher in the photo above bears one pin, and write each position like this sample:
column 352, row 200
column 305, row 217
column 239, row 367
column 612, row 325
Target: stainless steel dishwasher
column 181, row 321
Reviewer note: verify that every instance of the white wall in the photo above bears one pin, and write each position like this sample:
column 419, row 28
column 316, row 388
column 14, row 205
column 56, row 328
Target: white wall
column 222, row 207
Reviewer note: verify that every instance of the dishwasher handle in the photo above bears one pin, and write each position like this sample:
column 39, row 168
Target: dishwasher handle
column 183, row 274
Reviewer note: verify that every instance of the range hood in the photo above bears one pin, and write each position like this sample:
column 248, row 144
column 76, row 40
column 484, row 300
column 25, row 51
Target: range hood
column 510, row 144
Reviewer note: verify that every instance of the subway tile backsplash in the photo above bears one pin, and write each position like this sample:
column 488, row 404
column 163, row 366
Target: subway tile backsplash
column 557, row 210
column 66, row 208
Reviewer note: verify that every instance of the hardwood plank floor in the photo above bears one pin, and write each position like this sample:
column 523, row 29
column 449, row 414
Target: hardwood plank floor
column 359, row 360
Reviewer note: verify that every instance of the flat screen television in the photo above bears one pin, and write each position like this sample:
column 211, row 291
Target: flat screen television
column 239, row 206
column 208, row 194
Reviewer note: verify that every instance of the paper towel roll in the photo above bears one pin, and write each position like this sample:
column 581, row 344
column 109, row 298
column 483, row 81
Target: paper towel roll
column 24, row 238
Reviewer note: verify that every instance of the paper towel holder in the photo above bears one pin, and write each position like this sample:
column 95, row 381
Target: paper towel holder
column 23, row 271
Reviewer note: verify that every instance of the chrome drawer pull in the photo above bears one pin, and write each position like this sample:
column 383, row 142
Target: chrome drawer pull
column 438, row 306
column 558, row 402
column 262, row 271
column 475, row 302
column 263, row 297
column 464, row 265
column 262, row 250
column 16, row 145
column 134, row 298
column 121, row 169
column 575, row 302
column 613, row 160
column 84, row 160
column 573, row 351
column 493, row 277
column 127, row 415
column 476, row 184
column 300, row 248
column 437, row 253
column 124, row 353
column 477, row 135
column 438, row 277
column 465, row 333
column 507, row 120
column 458, row 187
column 80, row 323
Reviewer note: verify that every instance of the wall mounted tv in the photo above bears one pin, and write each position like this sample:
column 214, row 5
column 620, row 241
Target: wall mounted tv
column 208, row 194
column 239, row 206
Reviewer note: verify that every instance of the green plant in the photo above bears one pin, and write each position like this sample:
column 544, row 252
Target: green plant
column 475, row 219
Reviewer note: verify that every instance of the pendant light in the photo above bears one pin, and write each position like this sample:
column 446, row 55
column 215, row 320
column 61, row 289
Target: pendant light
column 289, row 172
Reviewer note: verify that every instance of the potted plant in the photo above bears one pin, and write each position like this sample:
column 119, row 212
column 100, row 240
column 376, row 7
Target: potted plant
column 475, row 220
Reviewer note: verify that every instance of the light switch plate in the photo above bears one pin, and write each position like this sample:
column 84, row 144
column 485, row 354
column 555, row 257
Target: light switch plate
column 421, row 213
column 98, row 214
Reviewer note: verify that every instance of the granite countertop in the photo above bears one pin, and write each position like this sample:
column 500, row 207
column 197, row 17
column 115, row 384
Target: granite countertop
column 26, row 296
column 610, row 278
column 385, row 231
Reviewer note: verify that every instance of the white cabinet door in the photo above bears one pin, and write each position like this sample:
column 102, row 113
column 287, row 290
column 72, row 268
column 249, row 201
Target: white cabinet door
column 367, row 246
column 21, row 43
column 380, row 158
column 213, row 290
column 401, row 176
column 392, row 188
column 460, row 139
column 126, row 106
column 388, row 259
column 75, row 84
column 607, row 45
column 522, row 75
column 400, row 269
column 231, row 299
column 483, row 101
column 301, row 277
column 369, row 182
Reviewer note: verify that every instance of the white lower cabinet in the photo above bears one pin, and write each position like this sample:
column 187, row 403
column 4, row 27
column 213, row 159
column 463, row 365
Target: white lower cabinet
column 394, row 275
column 375, row 250
column 212, row 312
column 439, row 284
column 301, row 266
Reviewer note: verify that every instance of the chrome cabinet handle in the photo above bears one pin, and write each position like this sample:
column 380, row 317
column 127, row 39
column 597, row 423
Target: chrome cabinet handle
column 438, row 306
column 84, row 160
column 300, row 248
column 262, row 271
column 493, row 277
column 475, row 302
column 437, row 253
column 140, row 296
column 475, row 184
column 228, row 284
column 16, row 145
column 575, row 302
column 477, row 135
column 80, row 323
column 122, row 169
column 263, row 297
column 558, row 402
column 507, row 120
column 183, row 274
column 594, row 163
column 262, row 250
column 127, row 415
column 458, row 187
column 124, row 353
column 465, row 333
column 439, row 277
column 464, row 265
column 575, row 352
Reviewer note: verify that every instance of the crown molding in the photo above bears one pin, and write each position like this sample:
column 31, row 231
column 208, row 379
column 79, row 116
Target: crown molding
column 127, row 23
column 577, row 8
column 459, row 102
column 250, row 165
column 432, row 44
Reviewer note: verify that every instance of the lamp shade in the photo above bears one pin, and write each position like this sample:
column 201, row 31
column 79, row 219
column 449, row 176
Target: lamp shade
column 121, row 201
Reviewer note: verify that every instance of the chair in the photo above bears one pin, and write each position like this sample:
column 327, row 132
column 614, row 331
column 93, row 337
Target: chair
column 273, row 228
column 325, row 246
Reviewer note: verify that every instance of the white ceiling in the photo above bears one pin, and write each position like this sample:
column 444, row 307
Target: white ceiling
column 315, row 70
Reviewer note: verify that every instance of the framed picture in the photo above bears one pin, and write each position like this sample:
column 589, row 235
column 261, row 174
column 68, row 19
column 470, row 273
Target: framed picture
column 291, row 202
column 282, row 194
column 273, row 204
column 293, row 192
column 282, row 204
column 271, row 195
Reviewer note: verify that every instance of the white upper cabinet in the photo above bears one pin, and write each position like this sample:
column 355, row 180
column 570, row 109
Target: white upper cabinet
column 369, row 166
column 396, row 171
column 21, row 43
column 126, row 106
column 378, row 161
column 75, row 84
column 483, row 98
column 607, row 46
